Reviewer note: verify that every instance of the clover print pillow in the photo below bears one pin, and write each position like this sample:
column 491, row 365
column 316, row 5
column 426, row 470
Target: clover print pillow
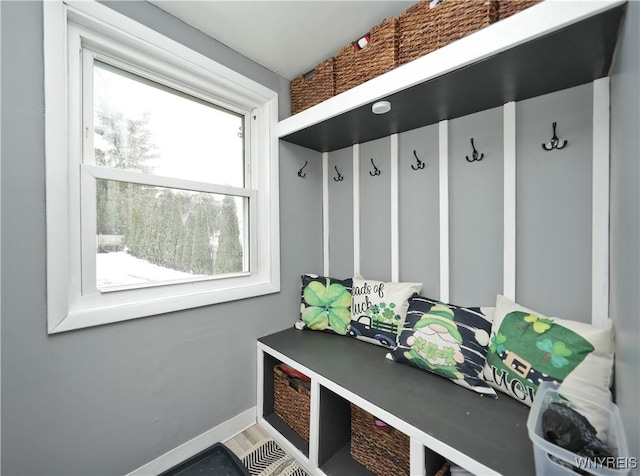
column 378, row 309
column 325, row 304
column 528, row 348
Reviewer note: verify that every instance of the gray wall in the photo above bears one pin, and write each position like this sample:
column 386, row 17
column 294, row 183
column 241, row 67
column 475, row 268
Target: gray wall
column 418, row 198
column 375, row 210
column 553, row 204
column 625, row 222
column 475, row 208
column 109, row 399
column 341, row 213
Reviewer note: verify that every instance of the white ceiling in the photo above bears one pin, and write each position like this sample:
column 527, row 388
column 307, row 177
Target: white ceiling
column 289, row 37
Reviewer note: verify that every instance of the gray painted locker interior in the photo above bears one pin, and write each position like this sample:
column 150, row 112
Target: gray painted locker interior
column 375, row 210
column 113, row 398
column 475, row 209
column 553, row 219
column 553, row 207
column 419, row 241
column 341, row 213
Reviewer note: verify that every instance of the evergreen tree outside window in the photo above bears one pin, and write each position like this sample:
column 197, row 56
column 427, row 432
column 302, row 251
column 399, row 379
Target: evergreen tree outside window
column 229, row 255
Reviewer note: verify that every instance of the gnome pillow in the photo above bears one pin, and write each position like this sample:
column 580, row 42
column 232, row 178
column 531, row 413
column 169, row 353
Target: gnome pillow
column 447, row 340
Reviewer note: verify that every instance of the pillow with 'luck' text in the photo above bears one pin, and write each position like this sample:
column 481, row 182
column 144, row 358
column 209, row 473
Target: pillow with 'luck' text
column 528, row 348
column 378, row 309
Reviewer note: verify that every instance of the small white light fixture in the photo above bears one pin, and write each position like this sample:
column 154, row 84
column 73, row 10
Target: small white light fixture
column 381, row 107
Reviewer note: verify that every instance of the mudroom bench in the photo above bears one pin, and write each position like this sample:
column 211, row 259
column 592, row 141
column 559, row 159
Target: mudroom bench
column 442, row 420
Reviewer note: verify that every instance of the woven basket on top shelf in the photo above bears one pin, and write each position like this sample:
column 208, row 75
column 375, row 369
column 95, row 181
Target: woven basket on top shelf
column 424, row 29
column 291, row 402
column 418, row 31
column 506, row 8
column 460, row 18
column 384, row 453
column 354, row 67
column 312, row 88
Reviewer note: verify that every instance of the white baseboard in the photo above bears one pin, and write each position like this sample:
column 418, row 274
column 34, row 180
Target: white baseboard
column 220, row 433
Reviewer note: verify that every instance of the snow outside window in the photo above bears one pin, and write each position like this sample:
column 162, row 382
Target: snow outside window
column 161, row 173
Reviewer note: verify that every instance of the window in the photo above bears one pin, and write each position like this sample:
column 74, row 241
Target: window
column 161, row 173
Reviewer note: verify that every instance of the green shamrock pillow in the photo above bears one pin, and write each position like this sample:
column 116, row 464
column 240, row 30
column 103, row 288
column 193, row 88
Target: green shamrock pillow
column 325, row 304
column 378, row 310
column 528, row 348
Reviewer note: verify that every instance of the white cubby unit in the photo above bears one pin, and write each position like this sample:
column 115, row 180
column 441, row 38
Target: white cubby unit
column 442, row 420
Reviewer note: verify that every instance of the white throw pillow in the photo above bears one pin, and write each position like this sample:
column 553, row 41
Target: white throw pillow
column 527, row 348
column 378, row 309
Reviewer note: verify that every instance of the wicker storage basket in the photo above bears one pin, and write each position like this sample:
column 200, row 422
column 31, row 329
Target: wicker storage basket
column 379, row 56
column 418, row 31
column 506, row 8
column 291, row 402
column 384, row 453
column 424, row 29
column 310, row 89
column 459, row 18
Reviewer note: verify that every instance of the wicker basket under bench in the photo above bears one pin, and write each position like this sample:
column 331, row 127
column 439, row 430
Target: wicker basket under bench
column 384, row 452
column 291, row 402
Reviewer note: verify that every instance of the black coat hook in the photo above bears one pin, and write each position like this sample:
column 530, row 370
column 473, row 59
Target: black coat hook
column 300, row 174
column 474, row 155
column 554, row 143
column 376, row 170
column 339, row 178
column 420, row 164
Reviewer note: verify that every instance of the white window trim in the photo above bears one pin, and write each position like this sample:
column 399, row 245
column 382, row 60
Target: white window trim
column 66, row 308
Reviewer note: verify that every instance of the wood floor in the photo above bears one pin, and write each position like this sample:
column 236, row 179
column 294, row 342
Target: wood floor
column 245, row 441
